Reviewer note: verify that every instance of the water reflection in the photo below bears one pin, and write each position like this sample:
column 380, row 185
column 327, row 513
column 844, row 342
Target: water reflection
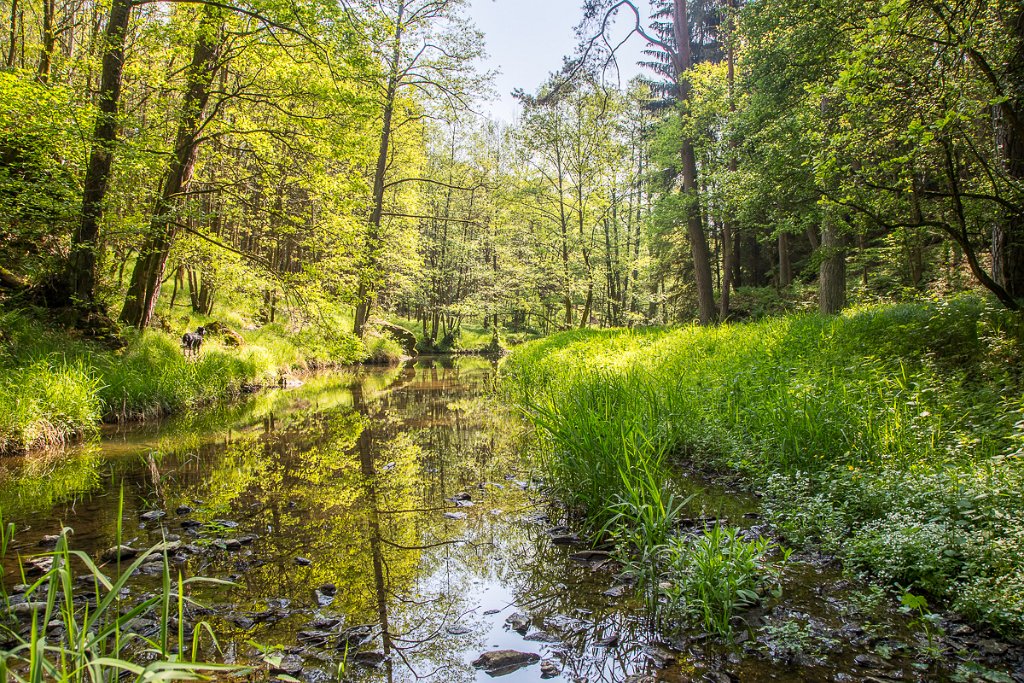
column 334, row 511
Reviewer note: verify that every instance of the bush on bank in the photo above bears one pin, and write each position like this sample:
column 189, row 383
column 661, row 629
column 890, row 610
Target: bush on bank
column 890, row 435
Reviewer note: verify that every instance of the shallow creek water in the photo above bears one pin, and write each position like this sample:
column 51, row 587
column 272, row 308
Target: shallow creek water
column 335, row 511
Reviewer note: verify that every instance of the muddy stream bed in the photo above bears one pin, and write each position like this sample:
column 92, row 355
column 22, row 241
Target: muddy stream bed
column 386, row 524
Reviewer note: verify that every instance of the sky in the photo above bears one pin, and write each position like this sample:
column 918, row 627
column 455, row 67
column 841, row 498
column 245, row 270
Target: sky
column 526, row 40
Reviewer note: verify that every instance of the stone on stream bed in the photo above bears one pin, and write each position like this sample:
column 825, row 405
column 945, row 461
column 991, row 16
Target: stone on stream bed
column 118, row 552
column 548, row 669
column 562, row 535
column 539, row 636
column 455, row 515
column 518, row 622
column 152, row 515
column 371, row 660
column 501, row 662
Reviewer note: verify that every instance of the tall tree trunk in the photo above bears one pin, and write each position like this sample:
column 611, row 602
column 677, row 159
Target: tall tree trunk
column 49, row 41
column 832, row 271
column 12, row 49
column 682, row 61
column 785, row 267
column 144, row 289
column 81, row 273
column 1008, row 234
column 728, row 228
column 369, row 278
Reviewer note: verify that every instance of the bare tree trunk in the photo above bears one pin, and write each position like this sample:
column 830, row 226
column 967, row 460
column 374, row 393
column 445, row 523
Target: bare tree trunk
column 144, row 289
column 1008, row 234
column 785, row 267
column 832, row 272
column 12, row 49
column 727, row 226
column 49, row 40
column 81, row 274
column 682, row 61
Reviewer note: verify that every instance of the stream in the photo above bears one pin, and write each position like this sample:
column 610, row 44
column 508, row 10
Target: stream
column 387, row 525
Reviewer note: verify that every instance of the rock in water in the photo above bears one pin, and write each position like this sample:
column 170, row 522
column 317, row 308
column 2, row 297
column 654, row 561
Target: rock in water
column 500, row 662
column 548, row 669
column 119, row 552
column 152, row 515
column 519, row 623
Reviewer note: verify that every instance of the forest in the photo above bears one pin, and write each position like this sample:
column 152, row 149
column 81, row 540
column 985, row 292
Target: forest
column 788, row 256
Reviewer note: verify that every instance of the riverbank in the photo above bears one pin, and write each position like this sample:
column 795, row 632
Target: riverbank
column 889, row 436
column 55, row 387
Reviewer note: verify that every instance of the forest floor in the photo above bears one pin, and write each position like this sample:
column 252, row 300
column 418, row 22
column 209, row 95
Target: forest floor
column 890, row 437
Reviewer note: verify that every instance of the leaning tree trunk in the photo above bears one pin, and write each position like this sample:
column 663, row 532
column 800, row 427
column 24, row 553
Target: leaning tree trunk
column 81, row 273
column 149, row 268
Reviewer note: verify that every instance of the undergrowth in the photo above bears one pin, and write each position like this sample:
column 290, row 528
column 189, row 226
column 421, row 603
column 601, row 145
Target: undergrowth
column 54, row 386
column 891, row 435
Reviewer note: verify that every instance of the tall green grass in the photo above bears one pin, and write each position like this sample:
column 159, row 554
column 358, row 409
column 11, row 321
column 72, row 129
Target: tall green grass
column 891, row 434
column 54, row 386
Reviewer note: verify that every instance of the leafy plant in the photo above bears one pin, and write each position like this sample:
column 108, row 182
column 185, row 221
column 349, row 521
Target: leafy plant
column 713, row 576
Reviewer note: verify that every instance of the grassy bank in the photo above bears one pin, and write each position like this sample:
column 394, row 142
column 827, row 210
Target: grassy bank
column 891, row 435
column 54, row 387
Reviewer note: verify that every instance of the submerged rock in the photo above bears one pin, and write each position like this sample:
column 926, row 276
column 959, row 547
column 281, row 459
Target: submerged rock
column 303, row 561
column 518, row 622
column 539, row 636
column 118, row 552
column 369, row 659
column 455, row 515
column 152, row 515
column 49, row 541
column 548, row 669
column 562, row 535
column 500, row 662
column 616, row 591
column 290, row 665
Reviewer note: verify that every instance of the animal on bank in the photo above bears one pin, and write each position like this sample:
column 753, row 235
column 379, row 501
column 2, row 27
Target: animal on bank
column 192, row 341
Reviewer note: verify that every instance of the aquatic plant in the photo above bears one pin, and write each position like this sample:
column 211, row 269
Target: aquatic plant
column 73, row 640
column 710, row 578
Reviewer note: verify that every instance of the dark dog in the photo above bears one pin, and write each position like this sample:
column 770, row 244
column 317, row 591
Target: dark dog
column 192, row 341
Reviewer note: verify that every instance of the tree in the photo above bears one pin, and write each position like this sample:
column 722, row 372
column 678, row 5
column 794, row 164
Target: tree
column 427, row 48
